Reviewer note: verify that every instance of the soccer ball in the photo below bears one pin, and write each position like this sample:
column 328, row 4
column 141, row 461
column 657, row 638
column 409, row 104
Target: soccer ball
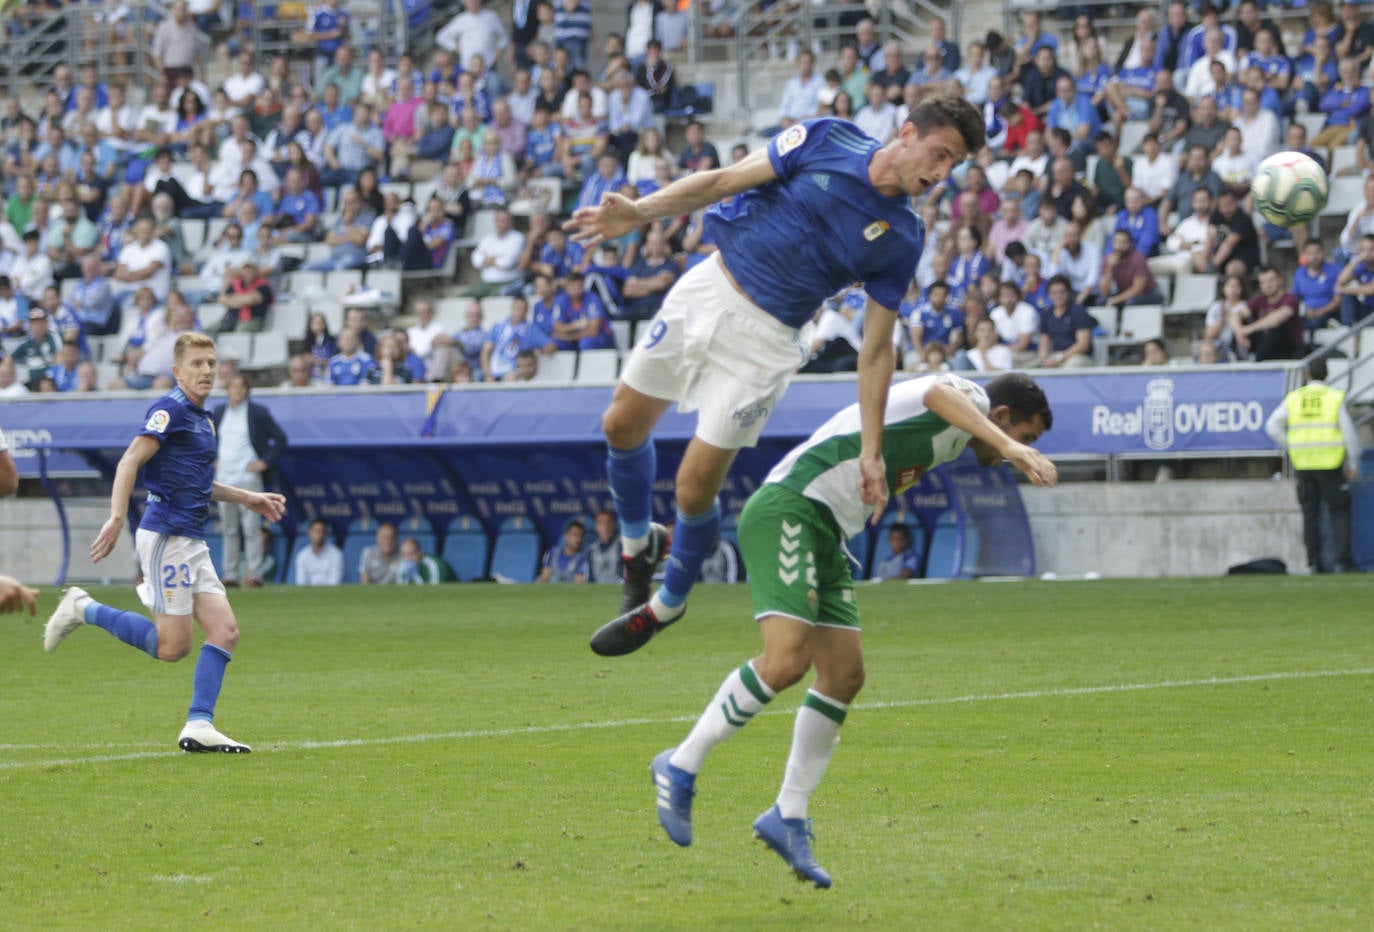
column 1289, row 189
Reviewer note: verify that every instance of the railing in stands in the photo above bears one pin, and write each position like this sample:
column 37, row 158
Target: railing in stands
column 773, row 34
column 117, row 36
column 1359, row 392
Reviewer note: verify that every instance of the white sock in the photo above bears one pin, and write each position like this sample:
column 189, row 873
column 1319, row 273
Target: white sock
column 814, row 739
column 742, row 696
column 633, row 546
column 663, row 611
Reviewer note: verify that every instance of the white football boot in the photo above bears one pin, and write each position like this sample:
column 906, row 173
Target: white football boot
column 201, row 736
column 69, row 616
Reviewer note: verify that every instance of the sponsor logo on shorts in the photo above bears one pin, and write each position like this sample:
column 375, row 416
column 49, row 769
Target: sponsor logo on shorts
column 876, row 229
column 792, row 137
column 158, row 422
column 747, row 417
column 847, row 595
column 812, row 599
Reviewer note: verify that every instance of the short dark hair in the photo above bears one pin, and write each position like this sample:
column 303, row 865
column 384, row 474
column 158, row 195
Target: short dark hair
column 1059, row 280
column 1316, row 369
column 948, row 110
column 938, row 283
column 1019, row 393
column 1015, row 249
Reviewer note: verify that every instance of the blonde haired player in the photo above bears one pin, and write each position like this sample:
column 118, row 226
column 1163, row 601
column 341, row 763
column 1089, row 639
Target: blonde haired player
column 177, row 449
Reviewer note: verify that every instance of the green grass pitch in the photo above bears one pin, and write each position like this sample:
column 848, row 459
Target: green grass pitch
column 1144, row 754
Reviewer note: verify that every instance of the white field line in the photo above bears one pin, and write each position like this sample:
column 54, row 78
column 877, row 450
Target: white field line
column 678, row 719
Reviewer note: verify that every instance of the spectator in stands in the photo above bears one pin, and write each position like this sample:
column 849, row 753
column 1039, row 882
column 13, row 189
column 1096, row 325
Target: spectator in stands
column 344, row 73
column 473, row 32
column 930, row 76
column 1269, row 326
column 509, row 339
column 1064, row 187
column 379, row 561
column 174, row 43
column 355, row 319
column 1140, row 221
column 465, row 347
column 893, row 75
column 327, row 29
column 580, row 319
column 37, row 352
column 297, row 213
column 1315, row 283
column 902, row 563
column 1016, row 321
column 321, row 562
column 351, row 148
column 92, row 301
column 697, row 154
column 801, row 94
column 1207, row 129
column 396, row 364
column 1033, row 38
column 988, row 353
column 1126, row 277
column 1359, row 223
column 1185, row 250
column 1066, row 331
column 321, row 347
column 422, row 334
column 1259, row 127
column 143, row 260
column 1356, row 284
column 1233, row 247
column 629, row 111
column 1045, row 233
column 417, row 568
column 1216, row 326
column 154, row 366
column 1040, row 80
column 567, row 563
column 656, row 76
column 1130, row 91
column 493, row 178
column 1345, row 104
column 1009, row 227
column 1155, row 353
column 497, row 258
column 31, row 270
column 248, row 296
column 1153, row 173
column 649, row 279
column 352, row 365
column 1170, row 114
column 250, row 443
column 10, row 386
column 346, row 238
column 1077, row 263
column 1073, row 111
column 934, row 320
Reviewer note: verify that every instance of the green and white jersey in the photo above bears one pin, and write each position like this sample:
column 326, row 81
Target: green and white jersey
column 826, row 467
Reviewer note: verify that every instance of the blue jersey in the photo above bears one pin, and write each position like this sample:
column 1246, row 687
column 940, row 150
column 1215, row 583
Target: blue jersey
column 181, row 474
column 1316, row 288
column 820, row 227
column 566, row 567
column 1142, row 78
column 351, row 370
column 938, row 326
column 541, row 145
column 323, row 19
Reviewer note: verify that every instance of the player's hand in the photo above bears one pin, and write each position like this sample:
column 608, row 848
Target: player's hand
column 15, row 596
column 1032, row 462
column 614, row 216
column 105, row 541
column 873, row 484
column 271, row 505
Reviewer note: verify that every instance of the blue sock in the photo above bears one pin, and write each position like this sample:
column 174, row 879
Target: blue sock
column 130, row 627
column 209, row 677
column 631, row 474
column 693, row 539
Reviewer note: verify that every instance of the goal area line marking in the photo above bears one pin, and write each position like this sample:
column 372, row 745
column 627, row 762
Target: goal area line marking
column 1069, row 691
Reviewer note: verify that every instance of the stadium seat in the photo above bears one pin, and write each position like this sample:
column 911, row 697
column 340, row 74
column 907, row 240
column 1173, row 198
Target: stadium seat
column 598, row 366
column 692, row 100
column 236, row 346
column 388, row 280
column 1345, row 193
column 338, row 283
column 557, row 368
column 401, row 189
column 361, row 533
column 105, row 373
column 209, row 316
column 193, row 235
column 1107, row 317
column 624, row 334
column 494, row 310
column 944, row 543
column 482, row 223
column 1343, row 158
column 314, row 252
column 1193, row 293
column 214, row 229
column 270, row 350
column 860, row 547
column 288, row 318
column 517, row 552
column 1132, row 132
column 419, row 528
column 1312, row 121
column 449, row 313
column 1142, row 322
column 422, row 191
column 466, row 549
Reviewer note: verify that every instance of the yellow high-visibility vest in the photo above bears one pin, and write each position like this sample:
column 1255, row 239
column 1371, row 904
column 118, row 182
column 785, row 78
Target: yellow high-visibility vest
column 1314, row 427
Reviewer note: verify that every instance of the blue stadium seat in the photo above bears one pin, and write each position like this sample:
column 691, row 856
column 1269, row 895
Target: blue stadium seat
column 518, row 550
column 418, row 528
column 466, row 549
column 361, row 533
column 861, row 548
column 943, row 543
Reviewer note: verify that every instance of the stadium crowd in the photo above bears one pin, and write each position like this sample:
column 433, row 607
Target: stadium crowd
column 1034, row 247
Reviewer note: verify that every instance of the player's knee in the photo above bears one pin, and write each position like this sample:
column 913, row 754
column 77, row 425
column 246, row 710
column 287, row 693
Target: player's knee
column 845, row 684
column 623, row 431
column 782, row 669
column 172, row 650
column 696, row 491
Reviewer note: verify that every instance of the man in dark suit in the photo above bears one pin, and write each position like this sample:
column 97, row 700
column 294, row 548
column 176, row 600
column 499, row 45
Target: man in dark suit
column 250, row 443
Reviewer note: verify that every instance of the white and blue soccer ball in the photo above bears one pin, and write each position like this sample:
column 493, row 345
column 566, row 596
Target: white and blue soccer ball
column 1290, row 189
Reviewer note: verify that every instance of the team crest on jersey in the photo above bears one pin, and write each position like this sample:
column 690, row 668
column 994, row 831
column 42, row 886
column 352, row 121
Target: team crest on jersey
column 876, row 229
column 158, row 422
column 792, row 137
column 908, row 477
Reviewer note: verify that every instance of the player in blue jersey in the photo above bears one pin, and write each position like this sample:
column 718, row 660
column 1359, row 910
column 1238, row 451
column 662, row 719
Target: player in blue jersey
column 823, row 207
column 176, row 449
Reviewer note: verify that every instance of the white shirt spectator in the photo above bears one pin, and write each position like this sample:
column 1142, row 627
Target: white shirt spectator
column 422, row 338
column 569, row 110
column 223, row 181
column 1036, row 166
column 239, row 86
column 1259, row 136
column 1357, row 223
column 878, row 122
column 505, row 250
column 1199, row 82
column 1190, row 233
column 376, row 237
column 801, row 99
column 31, row 274
column 1155, row 179
column 997, row 357
column 125, row 118
column 151, row 119
column 1235, row 169
column 135, row 257
column 325, row 568
column 470, row 34
column 1011, row 325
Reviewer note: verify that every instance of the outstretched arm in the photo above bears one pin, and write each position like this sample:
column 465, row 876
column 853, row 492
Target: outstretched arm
column 951, row 406
column 617, row 215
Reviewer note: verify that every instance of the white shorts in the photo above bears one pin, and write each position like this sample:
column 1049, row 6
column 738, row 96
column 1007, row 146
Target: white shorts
column 711, row 349
column 175, row 570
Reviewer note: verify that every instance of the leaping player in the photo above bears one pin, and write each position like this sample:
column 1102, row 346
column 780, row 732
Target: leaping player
column 178, row 446
column 822, row 207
